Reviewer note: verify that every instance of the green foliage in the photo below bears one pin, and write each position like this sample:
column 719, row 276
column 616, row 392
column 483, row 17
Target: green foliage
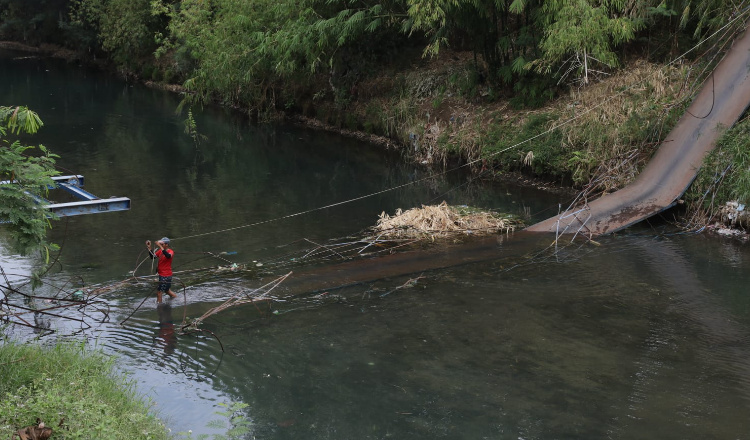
column 191, row 129
column 582, row 35
column 725, row 175
column 466, row 82
column 532, row 90
column 497, row 30
column 246, row 52
column 83, row 23
column 226, row 43
column 24, row 179
column 66, row 383
column 661, row 10
column 704, row 16
column 430, row 17
column 438, row 100
column 243, row 50
column 543, row 156
column 127, row 30
column 275, row 54
column 31, row 21
column 373, row 119
column 123, row 28
column 19, row 120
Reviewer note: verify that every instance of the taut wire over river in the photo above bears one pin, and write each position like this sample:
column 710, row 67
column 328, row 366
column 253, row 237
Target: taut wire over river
column 642, row 335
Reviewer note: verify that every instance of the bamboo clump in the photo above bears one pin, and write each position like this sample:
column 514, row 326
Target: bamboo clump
column 442, row 221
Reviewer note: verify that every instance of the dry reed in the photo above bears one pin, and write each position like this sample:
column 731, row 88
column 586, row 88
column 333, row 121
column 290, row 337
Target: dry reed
column 442, row 221
column 613, row 147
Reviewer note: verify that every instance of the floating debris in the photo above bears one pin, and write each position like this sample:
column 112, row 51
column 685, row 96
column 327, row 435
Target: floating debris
column 734, row 214
column 443, row 221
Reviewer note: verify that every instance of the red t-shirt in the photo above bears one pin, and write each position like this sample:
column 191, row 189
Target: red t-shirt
column 165, row 264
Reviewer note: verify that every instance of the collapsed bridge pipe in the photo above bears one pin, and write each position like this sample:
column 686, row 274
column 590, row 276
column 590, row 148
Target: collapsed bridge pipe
column 720, row 103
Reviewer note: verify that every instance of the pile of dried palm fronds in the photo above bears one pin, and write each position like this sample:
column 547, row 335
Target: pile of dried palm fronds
column 442, row 221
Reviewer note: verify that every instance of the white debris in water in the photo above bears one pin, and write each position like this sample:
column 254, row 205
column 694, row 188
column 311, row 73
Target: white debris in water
column 724, row 231
column 733, row 213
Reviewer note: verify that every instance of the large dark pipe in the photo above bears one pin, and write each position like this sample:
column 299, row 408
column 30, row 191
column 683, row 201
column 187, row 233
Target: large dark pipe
column 720, row 103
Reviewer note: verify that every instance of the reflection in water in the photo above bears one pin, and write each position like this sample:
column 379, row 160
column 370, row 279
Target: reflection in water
column 15, row 268
column 166, row 335
column 718, row 334
column 42, row 324
column 199, row 360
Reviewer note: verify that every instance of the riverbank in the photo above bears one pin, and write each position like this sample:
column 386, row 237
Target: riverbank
column 72, row 391
column 54, row 51
column 594, row 140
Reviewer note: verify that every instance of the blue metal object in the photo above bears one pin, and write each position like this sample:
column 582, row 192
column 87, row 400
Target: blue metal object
column 76, row 191
column 75, row 179
column 89, row 204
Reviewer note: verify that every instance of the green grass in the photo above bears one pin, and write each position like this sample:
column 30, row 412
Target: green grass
column 501, row 145
column 79, row 387
column 725, row 175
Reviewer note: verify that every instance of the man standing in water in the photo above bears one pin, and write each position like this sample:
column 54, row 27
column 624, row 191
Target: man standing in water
column 164, row 267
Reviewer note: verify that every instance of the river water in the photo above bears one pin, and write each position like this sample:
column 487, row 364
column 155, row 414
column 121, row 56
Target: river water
column 642, row 336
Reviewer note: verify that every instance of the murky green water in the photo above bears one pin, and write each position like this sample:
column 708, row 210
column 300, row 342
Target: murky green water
column 644, row 336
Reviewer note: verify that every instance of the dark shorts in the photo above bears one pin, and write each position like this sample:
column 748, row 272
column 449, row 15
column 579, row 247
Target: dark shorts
column 165, row 283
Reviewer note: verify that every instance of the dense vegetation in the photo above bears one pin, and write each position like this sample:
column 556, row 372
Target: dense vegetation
column 246, row 51
column 471, row 80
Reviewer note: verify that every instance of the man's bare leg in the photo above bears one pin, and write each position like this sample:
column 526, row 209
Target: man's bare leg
column 172, row 294
column 158, row 296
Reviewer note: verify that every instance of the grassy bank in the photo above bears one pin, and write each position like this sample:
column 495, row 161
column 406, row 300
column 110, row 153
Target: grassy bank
column 595, row 137
column 577, row 93
column 724, row 177
column 72, row 390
